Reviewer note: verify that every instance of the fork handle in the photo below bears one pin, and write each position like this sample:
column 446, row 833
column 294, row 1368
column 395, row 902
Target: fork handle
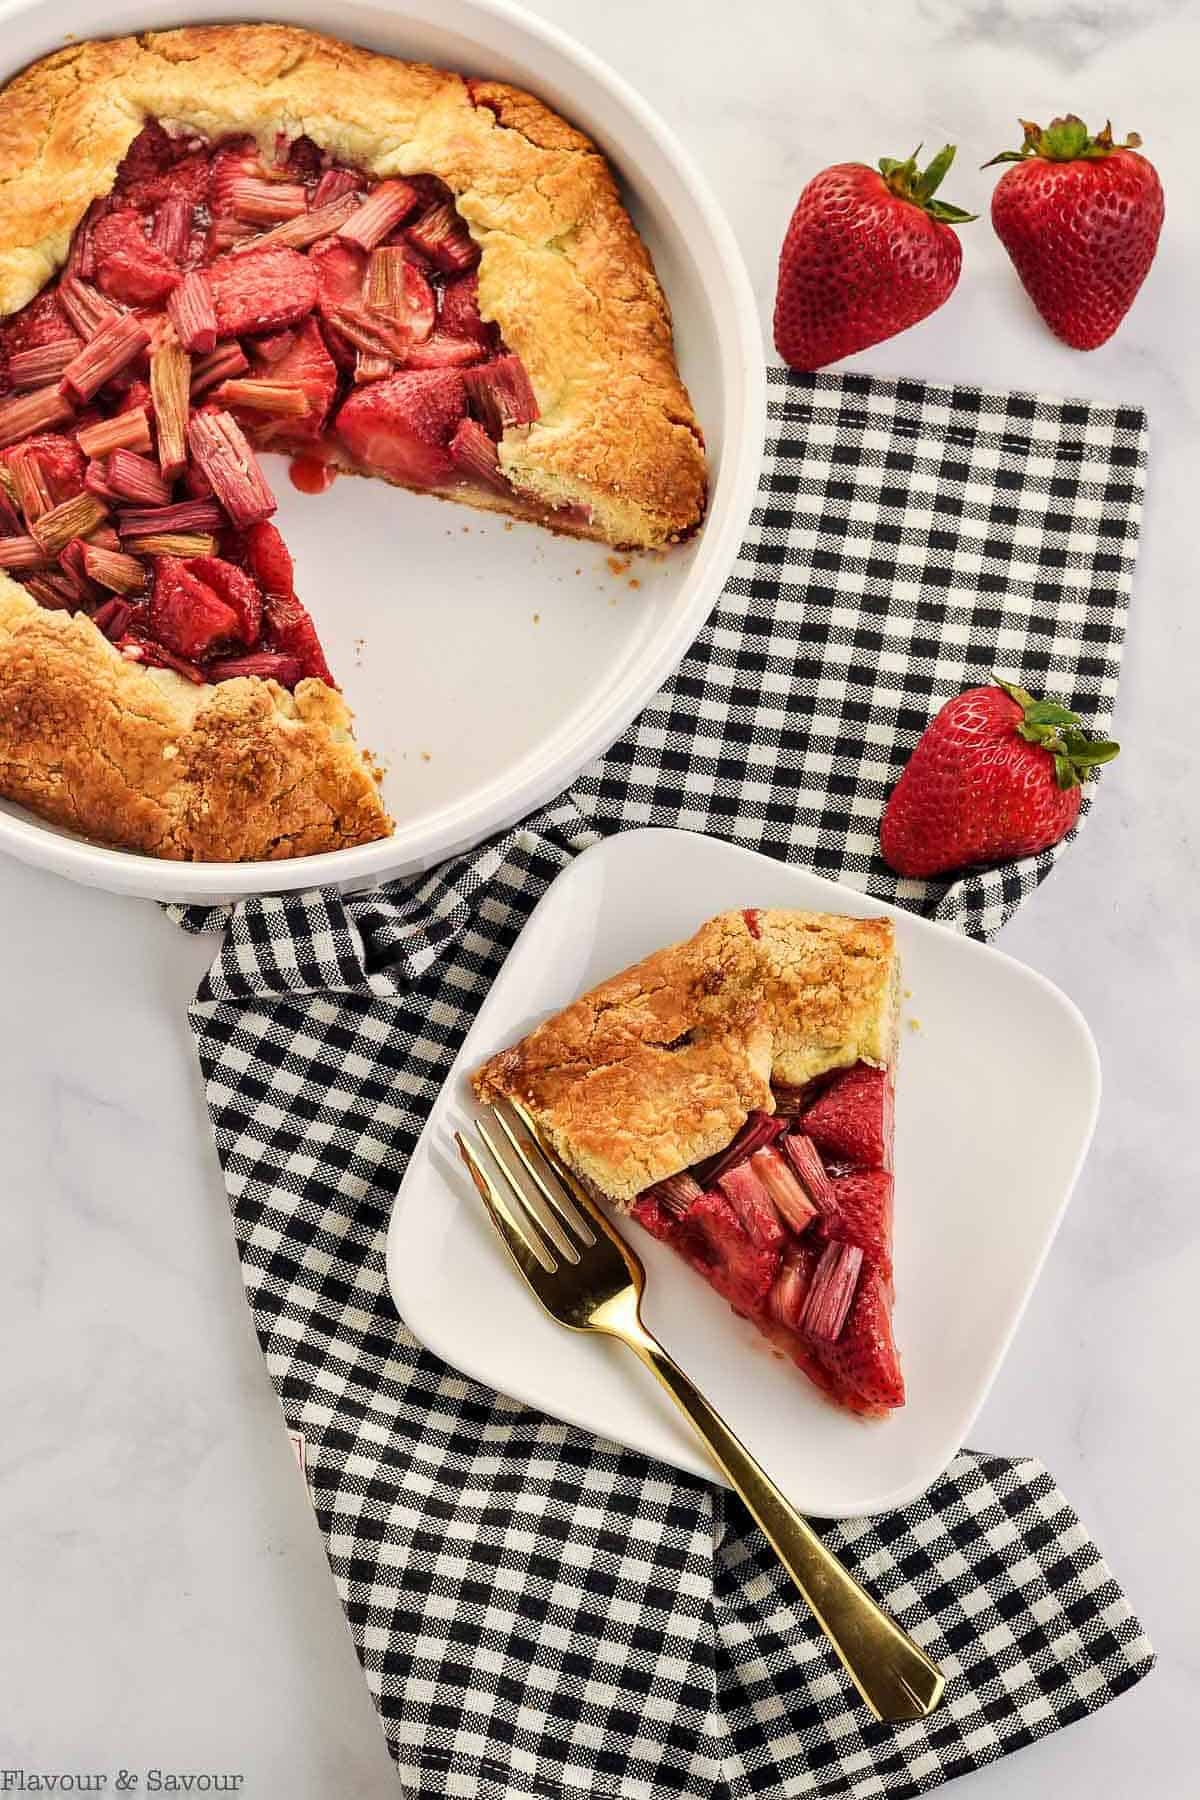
column 894, row 1676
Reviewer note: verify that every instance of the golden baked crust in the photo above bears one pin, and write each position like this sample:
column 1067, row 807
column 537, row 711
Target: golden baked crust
column 143, row 759
column 657, row 1068
column 562, row 271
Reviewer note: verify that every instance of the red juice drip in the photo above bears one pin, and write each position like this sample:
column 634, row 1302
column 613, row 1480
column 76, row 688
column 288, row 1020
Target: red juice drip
column 311, row 475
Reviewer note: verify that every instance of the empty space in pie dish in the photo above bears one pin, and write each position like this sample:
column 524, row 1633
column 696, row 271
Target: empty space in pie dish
column 476, row 710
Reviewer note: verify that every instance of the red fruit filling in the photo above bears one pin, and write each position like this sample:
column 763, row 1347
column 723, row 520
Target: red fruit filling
column 218, row 303
column 792, row 1224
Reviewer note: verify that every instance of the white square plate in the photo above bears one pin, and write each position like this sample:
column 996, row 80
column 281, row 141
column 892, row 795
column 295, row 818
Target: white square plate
column 997, row 1093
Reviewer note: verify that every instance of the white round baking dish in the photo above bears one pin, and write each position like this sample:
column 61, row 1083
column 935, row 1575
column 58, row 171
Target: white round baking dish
column 486, row 665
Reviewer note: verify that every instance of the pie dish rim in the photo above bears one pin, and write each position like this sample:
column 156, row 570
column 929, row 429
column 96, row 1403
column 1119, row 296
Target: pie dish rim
column 545, row 769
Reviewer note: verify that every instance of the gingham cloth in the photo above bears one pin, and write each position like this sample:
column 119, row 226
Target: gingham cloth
column 539, row 1613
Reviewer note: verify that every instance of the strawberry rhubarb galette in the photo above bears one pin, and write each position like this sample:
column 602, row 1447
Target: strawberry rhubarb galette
column 734, row 1093
column 227, row 240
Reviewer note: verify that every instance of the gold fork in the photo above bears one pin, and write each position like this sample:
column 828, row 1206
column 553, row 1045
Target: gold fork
column 587, row 1277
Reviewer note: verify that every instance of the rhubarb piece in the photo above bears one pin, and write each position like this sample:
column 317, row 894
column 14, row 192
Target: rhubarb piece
column 157, row 656
column 791, row 1201
column 170, row 386
column 46, row 363
column 55, row 592
column 760, row 1128
column 112, row 618
column 129, row 268
column 132, row 477
column 268, row 559
column 22, row 553
column 238, row 591
column 274, row 398
column 27, row 413
column 863, row 1365
column 441, row 235
column 88, row 311
column 676, row 1193
column 82, row 258
column 336, row 184
column 851, row 1121
column 460, row 317
column 30, row 486
column 862, row 1215
column 261, row 202
column 61, row 462
column 753, row 1205
column 262, row 290
column 172, row 229
column 441, row 352
column 112, row 349
column 191, row 311
column 372, row 368
column 104, row 538
column 370, row 333
column 11, row 522
column 111, row 569
column 126, row 431
column 305, row 365
column 95, row 481
column 831, row 1292
column 307, row 228
column 385, row 207
column 185, row 515
column 500, row 395
column 401, row 428
column 74, row 518
column 70, row 561
column 287, row 627
column 474, row 455
column 785, row 1302
column 185, row 544
column 341, row 273
column 42, row 322
column 186, row 616
column 805, row 1159
column 272, row 665
column 220, row 448
column 396, row 289
column 226, row 361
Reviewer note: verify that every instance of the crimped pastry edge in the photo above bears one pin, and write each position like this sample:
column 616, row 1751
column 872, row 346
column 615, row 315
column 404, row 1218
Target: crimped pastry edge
column 562, row 270
column 141, row 759
column 657, row 1068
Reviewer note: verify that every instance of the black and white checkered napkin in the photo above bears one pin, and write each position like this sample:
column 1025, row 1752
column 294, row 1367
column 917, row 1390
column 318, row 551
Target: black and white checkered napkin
column 539, row 1613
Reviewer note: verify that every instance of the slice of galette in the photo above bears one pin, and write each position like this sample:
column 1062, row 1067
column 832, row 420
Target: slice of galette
column 734, row 1094
column 228, row 240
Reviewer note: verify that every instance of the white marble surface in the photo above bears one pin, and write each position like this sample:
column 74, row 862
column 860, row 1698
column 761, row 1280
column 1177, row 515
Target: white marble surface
column 164, row 1594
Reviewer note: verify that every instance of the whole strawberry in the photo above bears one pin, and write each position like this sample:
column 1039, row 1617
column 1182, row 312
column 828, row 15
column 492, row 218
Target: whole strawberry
column 1080, row 217
column 996, row 774
column 866, row 255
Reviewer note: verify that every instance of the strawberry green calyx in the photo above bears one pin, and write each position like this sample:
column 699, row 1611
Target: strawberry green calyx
column 1058, row 730
column 1065, row 140
column 907, row 182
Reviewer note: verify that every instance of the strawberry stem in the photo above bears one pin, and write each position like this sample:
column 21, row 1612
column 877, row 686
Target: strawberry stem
column 907, row 182
column 1056, row 728
column 1065, row 140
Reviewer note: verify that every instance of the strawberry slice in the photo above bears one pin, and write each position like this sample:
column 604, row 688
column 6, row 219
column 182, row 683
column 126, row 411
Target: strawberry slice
column 401, row 428
column 236, row 589
column 863, row 1366
column 460, row 312
column 262, row 290
column 186, row 616
column 712, row 1239
column 268, row 558
column 158, row 166
column 306, row 364
column 863, row 1215
column 42, row 322
column 341, row 271
column 852, row 1121
column 129, row 267
column 442, row 352
column 500, row 395
column 289, row 629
